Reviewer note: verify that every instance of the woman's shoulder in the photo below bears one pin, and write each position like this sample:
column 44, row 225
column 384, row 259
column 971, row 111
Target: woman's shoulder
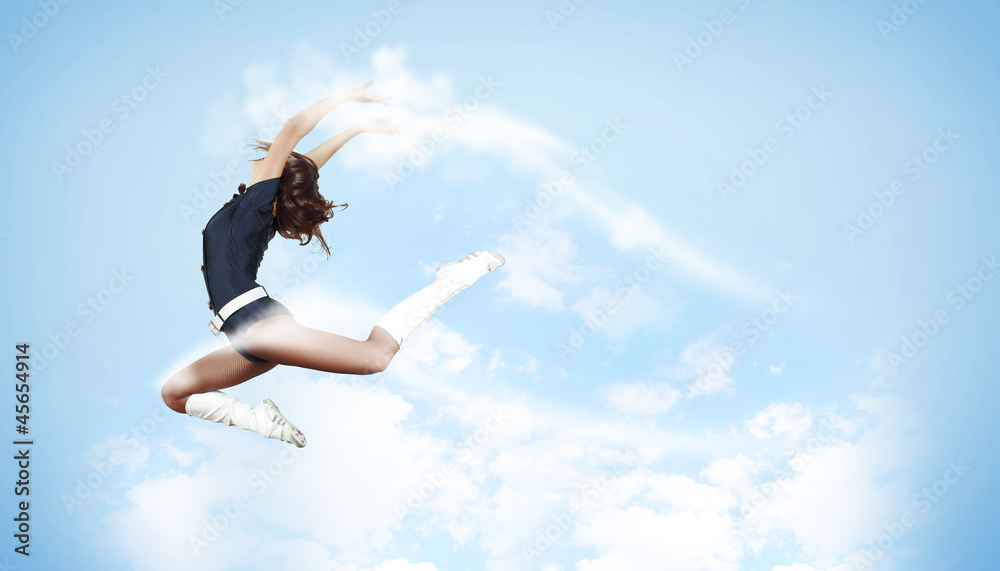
column 254, row 169
column 256, row 177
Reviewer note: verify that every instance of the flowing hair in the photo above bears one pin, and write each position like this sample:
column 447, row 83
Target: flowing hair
column 300, row 208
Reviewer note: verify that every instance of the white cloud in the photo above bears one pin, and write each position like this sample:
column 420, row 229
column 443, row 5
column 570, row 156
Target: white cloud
column 496, row 362
column 404, row 565
column 780, row 418
column 631, row 226
column 181, row 457
column 530, row 365
column 685, row 525
column 776, row 370
column 706, row 362
column 804, row 567
column 361, row 462
column 839, row 496
column 539, row 260
column 126, row 451
column 422, row 105
column 623, row 316
column 640, row 398
column 734, row 474
column 439, row 347
column 368, row 453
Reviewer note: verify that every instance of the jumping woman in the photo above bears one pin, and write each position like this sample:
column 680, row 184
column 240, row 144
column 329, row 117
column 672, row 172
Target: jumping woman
column 283, row 197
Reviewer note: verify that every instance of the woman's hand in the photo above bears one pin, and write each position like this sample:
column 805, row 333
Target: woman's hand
column 358, row 94
column 376, row 125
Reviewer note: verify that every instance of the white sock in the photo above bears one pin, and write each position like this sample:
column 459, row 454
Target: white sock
column 264, row 419
column 217, row 406
column 404, row 318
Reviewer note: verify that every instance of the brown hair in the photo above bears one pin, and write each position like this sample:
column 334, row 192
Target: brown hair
column 299, row 208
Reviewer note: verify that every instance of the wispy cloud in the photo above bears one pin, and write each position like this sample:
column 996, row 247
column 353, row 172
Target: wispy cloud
column 424, row 105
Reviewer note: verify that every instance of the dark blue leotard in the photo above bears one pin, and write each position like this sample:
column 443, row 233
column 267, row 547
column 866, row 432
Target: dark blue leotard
column 235, row 239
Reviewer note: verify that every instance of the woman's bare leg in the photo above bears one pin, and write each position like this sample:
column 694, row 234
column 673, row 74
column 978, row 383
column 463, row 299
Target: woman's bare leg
column 194, row 390
column 219, row 369
column 282, row 340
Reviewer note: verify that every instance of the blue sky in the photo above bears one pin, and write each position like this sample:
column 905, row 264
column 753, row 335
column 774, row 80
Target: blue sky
column 814, row 181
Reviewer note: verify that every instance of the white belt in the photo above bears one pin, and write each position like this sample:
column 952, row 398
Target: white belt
column 230, row 308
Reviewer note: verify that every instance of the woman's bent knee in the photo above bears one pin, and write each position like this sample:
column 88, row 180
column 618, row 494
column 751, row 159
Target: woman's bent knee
column 171, row 398
column 381, row 359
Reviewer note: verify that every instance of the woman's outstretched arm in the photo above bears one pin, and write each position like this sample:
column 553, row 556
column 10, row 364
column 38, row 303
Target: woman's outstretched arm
column 297, row 127
column 321, row 154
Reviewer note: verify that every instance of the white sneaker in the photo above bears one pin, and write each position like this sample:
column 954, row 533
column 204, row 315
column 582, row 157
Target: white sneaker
column 470, row 268
column 267, row 413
